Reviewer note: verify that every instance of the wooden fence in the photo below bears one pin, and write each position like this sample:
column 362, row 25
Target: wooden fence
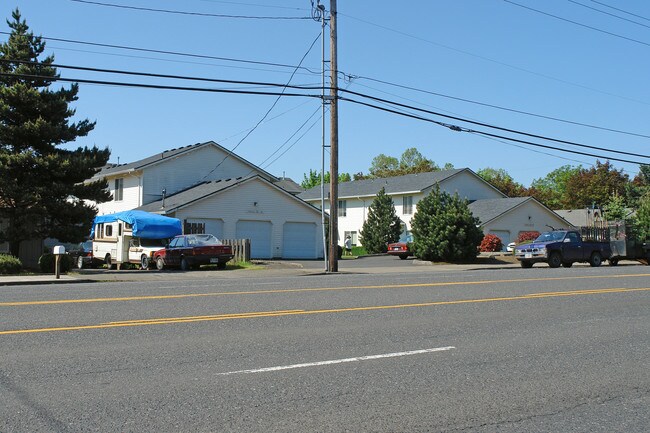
column 241, row 248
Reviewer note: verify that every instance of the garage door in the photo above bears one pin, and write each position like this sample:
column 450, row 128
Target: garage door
column 299, row 241
column 259, row 232
column 504, row 235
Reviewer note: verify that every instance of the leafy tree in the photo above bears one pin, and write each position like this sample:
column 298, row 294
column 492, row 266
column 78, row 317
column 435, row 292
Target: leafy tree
column 313, row 179
column 615, row 208
column 501, row 180
column 639, row 186
column 412, row 161
column 594, row 186
column 382, row 227
column 43, row 187
column 444, row 228
column 384, row 166
column 551, row 190
column 642, row 218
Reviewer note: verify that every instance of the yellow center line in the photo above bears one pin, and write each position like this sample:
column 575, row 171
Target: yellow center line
column 279, row 313
column 303, row 290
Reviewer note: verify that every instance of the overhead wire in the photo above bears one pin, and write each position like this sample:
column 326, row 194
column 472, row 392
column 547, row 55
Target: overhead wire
column 176, row 12
column 608, row 13
column 269, row 110
column 578, row 23
column 463, row 129
column 621, row 10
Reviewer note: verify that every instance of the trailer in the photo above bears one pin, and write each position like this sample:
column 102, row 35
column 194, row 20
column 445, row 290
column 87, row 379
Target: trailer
column 626, row 245
column 131, row 237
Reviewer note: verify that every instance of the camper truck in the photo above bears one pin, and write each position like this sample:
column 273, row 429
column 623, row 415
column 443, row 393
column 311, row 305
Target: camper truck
column 131, row 237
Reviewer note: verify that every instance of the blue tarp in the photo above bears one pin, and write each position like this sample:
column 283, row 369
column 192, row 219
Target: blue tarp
column 145, row 225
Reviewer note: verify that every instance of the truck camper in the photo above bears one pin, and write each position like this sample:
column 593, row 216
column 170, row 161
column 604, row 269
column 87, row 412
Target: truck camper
column 131, row 237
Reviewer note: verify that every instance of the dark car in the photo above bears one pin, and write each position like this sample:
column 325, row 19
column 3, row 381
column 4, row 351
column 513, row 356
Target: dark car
column 82, row 256
column 402, row 248
column 192, row 251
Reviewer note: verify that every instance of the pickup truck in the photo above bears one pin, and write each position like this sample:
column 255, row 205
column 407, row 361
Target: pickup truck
column 192, row 251
column 562, row 247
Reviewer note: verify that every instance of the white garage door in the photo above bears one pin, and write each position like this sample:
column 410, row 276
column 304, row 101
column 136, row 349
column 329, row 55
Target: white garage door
column 299, row 241
column 504, row 235
column 259, row 232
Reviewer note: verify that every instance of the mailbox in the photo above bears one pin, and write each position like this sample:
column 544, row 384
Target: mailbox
column 58, row 250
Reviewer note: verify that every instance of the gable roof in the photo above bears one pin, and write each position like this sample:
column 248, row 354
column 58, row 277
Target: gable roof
column 117, row 169
column 207, row 189
column 289, row 185
column 487, row 210
column 408, row 183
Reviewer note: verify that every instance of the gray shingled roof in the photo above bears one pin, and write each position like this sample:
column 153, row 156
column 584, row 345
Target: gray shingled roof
column 289, row 185
column 392, row 185
column 190, row 195
column 112, row 169
column 488, row 209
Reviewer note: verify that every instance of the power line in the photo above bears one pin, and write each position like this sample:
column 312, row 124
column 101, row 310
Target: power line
column 153, row 86
column 487, row 59
column 512, row 110
column 268, row 111
column 173, row 53
column 169, row 11
column 487, row 125
column 487, row 134
column 621, row 10
column 609, row 14
column 578, row 24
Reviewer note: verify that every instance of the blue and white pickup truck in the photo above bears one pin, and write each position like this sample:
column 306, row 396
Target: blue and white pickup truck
column 562, row 247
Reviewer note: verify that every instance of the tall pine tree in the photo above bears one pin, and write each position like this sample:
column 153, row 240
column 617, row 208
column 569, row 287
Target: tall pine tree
column 43, row 188
column 383, row 226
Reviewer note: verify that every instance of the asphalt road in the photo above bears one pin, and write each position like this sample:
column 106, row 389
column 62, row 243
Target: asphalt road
column 508, row 350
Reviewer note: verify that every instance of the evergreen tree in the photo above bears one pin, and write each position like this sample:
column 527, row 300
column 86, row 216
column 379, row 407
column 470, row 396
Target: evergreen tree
column 643, row 217
column 382, row 227
column 444, row 229
column 43, row 188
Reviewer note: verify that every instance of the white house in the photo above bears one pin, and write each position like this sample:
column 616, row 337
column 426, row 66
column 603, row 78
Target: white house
column 212, row 190
column 503, row 216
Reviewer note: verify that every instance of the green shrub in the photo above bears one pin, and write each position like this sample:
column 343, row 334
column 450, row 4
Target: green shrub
column 491, row 243
column 382, row 226
column 359, row 251
column 444, row 229
column 46, row 263
column 10, row 264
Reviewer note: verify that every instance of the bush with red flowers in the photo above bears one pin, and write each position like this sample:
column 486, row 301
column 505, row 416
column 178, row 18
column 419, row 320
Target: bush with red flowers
column 527, row 236
column 490, row 244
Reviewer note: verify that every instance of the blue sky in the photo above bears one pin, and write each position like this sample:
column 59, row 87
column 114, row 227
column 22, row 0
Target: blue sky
column 489, row 51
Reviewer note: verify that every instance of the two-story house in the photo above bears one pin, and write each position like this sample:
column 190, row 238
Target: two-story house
column 212, row 190
column 499, row 215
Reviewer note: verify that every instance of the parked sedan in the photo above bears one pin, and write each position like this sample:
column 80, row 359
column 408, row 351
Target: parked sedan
column 82, row 256
column 401, row 248
column 192, row 251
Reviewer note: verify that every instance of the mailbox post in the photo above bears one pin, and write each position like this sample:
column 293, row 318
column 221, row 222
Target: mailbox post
column 59, row 250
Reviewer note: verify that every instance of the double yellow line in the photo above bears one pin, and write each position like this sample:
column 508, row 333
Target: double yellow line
column 279, row 313
column 303, row 290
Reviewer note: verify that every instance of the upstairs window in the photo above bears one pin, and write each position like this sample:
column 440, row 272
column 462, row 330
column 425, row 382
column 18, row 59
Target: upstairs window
column 407, row 205
column 343, row 208
column 118, row 194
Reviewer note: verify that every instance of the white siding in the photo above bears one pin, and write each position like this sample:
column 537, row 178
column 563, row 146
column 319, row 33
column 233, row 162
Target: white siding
column 188, row 169
column 468, row 186
column 255, row 200
column 130, row 199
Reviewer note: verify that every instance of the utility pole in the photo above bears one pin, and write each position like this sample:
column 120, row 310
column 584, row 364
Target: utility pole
column 334, row 146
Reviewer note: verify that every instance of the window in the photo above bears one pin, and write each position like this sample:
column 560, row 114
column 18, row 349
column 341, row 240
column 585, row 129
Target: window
column 407, row 205
column 108, row 230
column 343, row 208
column 353, row 236
column 118, row 195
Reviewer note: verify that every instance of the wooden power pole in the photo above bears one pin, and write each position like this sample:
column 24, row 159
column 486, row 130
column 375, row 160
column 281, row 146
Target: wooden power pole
column 334, row 147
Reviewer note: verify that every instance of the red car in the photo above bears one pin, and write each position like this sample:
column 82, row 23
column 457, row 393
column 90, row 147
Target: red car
column 401, row 248
column 192, row 251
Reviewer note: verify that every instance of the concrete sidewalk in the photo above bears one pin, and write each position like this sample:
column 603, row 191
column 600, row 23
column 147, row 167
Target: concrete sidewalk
column 269, row 269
